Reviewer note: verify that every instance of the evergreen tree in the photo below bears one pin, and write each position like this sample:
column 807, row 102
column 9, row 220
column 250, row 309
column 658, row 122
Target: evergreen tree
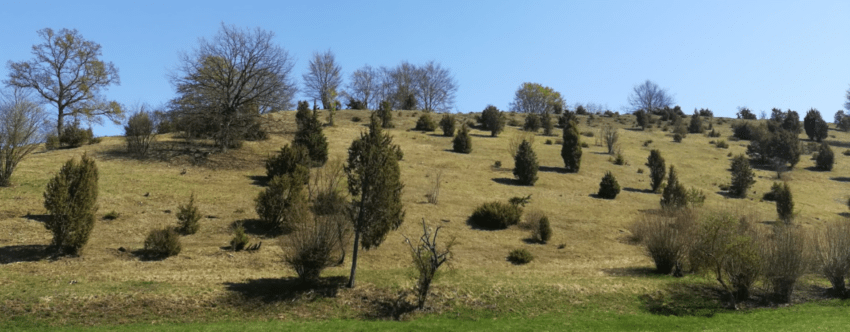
column 785, row 204
column 311, row 137
column 696, row 123
column 293, row 159
column 571, row 150
column 525, row 164
column 674, row 196
column 283, row 205
column 657, row 169
column 447, row 123
column 303, row 114
column 816, row 128
column 826, row 158
column 385, row 113
column 493, row 120
column 374, row 181
column 742, row 176
column 547, row 124
column 71, row 202
column 608, row 187
column 462, row 143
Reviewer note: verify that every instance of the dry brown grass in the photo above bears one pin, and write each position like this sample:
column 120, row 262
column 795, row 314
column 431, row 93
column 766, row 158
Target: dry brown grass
column 591, row 260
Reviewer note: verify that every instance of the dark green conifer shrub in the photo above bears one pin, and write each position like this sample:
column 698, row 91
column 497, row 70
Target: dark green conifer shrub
column 826, row 158
column 283, row 205
column 71, row 203
column 742, row 176
column 462, row 143
column 493, row 120
column 447, row 124
column 385, row 114
column 520, row 256
column 657, row 169
column 571, row 149
column 162, row 243
column 294, row 159
column 674, row 196
column 532, row 123
column 785, row 204
column 311, row 137
column 608, row 187
column 189, row 215
column 240, row 239
column 525, row 164
column 425, row 123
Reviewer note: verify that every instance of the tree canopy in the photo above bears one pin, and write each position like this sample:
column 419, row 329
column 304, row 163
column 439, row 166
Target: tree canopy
column 536, row 99
column 649, row 96
column 323, row 78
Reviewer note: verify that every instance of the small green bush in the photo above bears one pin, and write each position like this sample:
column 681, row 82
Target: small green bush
column 139, row 133
column 657, row 169
column 721, row 144
column 462, row 143
column 73, row 136
column 674, row 196
column 785, row 204
column 520, row 256
column 71, row 203
column 742, row 176
column 356, row 119
column 532, row 123
column 498, row 215
column 112, row 215
column 385, row 114
column 608, row 187
column 189, row 215
column 294, row 160
column 541, row 230
column 162, row 243
column 525, row 164
column 425, row 123
column 773, row 194
column 52, row 143
column 447, row 124
column 283, row 205
column 825, row 158
column 240, row 239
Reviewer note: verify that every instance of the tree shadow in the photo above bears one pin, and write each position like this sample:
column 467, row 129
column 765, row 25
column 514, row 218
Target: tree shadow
column 685, row 299
column 552, row 169
column 37, row 217
column 508, row 181
column 840, row 179
column 634, row 129
column 815, row 169
column 632, row 271
column 145, row 256
column 481, row 135
column 439, row 135
column 529, row 240
column 845, row 214
column 269, row 290
column 258, row 180
column 601, row 153
column 636, row 190
column 256, row 227
column 387, row 307
column 25, row 253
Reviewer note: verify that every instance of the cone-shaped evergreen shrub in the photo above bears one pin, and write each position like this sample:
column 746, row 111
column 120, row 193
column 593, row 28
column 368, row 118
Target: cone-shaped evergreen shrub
column 785, row 204
column 542, row 231
column 303, row 115
column 547, row 124
column 532, row 123
column 385, row 113
column 742, row 176
column 525, row 164
column 695, row 127
column 71, row 202
column 826, row 158
column 162, row 243
column 571, row 149
column 608, row 187
column 493, row 120
column 425, row 123
column 311, row 137
column 288, row 161
column 447, row 124
column 675, row 196
column 283, row 205
column 189, row 215
column 240, row 239
column 657, row 169
column 462, row 143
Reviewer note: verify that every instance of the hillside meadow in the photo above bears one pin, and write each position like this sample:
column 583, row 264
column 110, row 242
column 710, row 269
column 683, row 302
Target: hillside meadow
column 589, row 266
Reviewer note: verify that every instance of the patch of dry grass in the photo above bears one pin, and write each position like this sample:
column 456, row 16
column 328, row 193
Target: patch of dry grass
column 586, row 256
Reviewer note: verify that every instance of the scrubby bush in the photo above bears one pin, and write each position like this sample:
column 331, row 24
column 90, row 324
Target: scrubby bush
column 73, row 136
column 385, row 114
column 51, row 142
column 283, row 205
column 541, row 230
column 162, row 243
column 674, row 196
column 642, row 118
column 784, row 263
column 742, row 176
column 240, row 239
column 832, row 251
column 785, row 204
column 532, row 123
column 520, row 256
column 657, row 169
column 745, row 130
column 525, row 164
column 666, row 238
column 608, row 187
column 425, row 123
column 610, row 136
column 139, row 133
column 427, row 259
column 293, row 160
column 695, row 127
column 498, row 215
column 493, row 120
column 721, row 144
column 462, row 143
column 447, row 124
column 825, row 158
column 314, row 246
column 71, row 203
column 571, row 148
column 311, row 138
column 189, row 215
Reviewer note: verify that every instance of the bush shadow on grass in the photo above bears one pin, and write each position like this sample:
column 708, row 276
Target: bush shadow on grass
column 636, row 190
column 552, row 169
column 37, row 217
column 258, row 180
column 256, row 227
column 685, row 299
column 269, row 290
column 144, row 256
column 508, row 181
column 25, row 253
column 840, row 179
column 632, row 271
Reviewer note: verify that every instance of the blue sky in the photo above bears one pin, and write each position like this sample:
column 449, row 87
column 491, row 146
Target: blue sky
column 713, row 54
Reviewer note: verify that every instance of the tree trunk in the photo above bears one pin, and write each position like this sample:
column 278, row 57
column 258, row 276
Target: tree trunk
column 354, row 259
column 59, row 122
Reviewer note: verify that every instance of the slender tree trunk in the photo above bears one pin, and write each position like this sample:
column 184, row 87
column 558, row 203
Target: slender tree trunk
column 59, row 122
column 354, row 259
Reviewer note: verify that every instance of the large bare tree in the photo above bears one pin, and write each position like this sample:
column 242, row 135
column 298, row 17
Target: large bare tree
column 364, row 85
column 648, row 96
column 436, row 87
column 68, row 73
column 21, row 120
column 228, row 80
column 323, row 78
column 403, row 84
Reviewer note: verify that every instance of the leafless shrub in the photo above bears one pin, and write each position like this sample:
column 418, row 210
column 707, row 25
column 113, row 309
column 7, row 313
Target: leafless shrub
column 784, row 260
column 316, row 244
column 434, row 192
column 667, row 236
column 326, row 189
column 610, row 135
column 427, row 258
column 517, row 139
column 832, row 254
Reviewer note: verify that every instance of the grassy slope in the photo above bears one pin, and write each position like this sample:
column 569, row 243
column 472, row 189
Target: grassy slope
column 594, row 267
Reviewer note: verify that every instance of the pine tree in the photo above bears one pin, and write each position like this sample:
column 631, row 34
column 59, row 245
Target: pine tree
column 374, row 181
column 674, row 196
column 447, row 124
column 283, row 205
column 608, row 187
column 385, row 113
column 525, row 164
column 71, row 202
column 293, row 159
column 493, row 120
column 696, row 123
column 303, row 114
column 462, row 143
column 742, row 176
column 785, row 204
column 311, row 137
column 571, row 150
column 657, row 169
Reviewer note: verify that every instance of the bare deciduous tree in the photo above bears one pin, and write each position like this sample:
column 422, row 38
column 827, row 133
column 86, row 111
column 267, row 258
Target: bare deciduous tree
column 436, row 87
column 68, row 73
column 229, row 79
column 403, row 84
column 648, row 96
column 20, row 131
column 364, row 85
column 323, row 78
column 427, row 258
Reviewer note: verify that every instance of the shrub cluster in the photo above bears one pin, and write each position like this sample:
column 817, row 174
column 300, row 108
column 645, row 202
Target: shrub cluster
column 425, row 123
column 139, row 133
column 499, row 215
column 315, row 246
column 541, row 230
column 283, row 204
column 292, row 160
column 674, row 196
column 532, row 123
column 520, row 256
column 162, row 243
column 825, row 158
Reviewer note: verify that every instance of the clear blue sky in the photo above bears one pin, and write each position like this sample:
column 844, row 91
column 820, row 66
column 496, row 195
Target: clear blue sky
column 714, row 54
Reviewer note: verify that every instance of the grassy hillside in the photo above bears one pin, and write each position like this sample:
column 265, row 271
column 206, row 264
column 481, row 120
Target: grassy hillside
column 587, row 264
